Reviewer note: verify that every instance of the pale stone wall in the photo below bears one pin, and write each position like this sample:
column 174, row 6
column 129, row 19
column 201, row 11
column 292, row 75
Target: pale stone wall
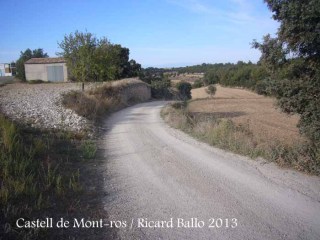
column 136, row 92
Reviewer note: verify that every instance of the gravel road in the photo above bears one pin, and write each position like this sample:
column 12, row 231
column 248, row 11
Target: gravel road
column 4, row 80
column 156, row 173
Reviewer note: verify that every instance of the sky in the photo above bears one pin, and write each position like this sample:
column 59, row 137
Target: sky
column 159, row 33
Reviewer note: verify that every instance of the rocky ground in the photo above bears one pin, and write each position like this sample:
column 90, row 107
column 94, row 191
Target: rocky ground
column 40, row 106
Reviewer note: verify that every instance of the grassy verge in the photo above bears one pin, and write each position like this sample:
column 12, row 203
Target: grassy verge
column 101, row 100
column 45, row 174
column 224, row 134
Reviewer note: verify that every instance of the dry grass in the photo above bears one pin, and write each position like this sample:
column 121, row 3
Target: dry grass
column 102, row 98
column 186, row 77
column 224, row 92
column 246, row 123
column 244, row 107
column 40, row 175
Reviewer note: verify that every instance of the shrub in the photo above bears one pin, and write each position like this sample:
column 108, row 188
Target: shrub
column 160, row 88
column 103, row 99
column 211, row 77
column 226, row 134
column 89, row 106
column 34, row 175
column 266, row 87
column 179, row 105
column 88, row 149
column 184, row 90
column 261, row 88
column 197, row 84
column 211, row 90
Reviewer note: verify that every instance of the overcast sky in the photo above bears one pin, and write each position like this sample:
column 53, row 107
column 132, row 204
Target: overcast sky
column 160, row 33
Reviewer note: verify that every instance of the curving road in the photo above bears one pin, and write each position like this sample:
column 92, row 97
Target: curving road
column 156, row 174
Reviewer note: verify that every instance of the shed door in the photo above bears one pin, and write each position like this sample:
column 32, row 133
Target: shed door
column 55, row 73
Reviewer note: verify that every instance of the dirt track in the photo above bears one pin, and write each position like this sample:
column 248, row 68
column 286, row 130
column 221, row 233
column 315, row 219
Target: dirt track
column 159, row 173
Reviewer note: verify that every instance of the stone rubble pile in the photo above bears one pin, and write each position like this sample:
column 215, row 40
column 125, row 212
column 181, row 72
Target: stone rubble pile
column 40, row 105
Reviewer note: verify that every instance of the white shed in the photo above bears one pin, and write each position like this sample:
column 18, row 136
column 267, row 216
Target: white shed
column 46, row 69
column 6, row 70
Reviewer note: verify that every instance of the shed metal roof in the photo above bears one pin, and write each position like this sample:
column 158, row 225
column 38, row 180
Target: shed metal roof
column 45, row 60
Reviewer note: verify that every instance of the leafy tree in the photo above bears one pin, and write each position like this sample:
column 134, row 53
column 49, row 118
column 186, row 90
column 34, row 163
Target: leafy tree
column 25, row 56
column 124, row 65
column 197, row 83
column 160, row 88
column 78, row 50
column 211, row 90
column 106, row 61
column 211, row 77
column 135, row 68
column 293, row 60
column 92, row 59
column 184, row 90
column 149, row 75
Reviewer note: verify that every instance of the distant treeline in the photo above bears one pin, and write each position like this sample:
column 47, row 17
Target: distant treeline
column 241, row 74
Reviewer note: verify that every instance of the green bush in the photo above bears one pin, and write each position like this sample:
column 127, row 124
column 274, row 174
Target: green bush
column 226, row 134
column 88, row 149
column 211, row 90
column 297, row 73
column 160, row 88
column 261, row 88
column 179, row 105
column 197, row 84
column 33, row 176
column 211, row 77
column 184, row 90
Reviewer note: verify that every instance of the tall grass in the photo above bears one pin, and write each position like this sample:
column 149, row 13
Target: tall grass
column 224, row 134
column 104, row 98
column 30, row 177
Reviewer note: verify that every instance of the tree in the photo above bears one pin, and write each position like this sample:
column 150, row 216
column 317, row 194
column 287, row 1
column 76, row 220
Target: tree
column 211, row 90
column 211, row 77
column 92, row 59
column 134, row 68
column 293, row 60
column 25, row 56
column 160, row 88
column 197, row 83
column 78, row 50
column 184, row 90
column 106, row 66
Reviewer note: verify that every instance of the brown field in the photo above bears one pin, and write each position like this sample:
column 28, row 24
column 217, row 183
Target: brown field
column 244, row 107
column 186, row 77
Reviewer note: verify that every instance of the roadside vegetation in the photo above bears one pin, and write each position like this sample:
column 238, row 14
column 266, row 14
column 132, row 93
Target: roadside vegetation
column 105, row 98
column 88, row 59
column 238, row 138
column 91, row 59
column 288, row 68
column 42, row 174
column 52, row 173
column 163, row 88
